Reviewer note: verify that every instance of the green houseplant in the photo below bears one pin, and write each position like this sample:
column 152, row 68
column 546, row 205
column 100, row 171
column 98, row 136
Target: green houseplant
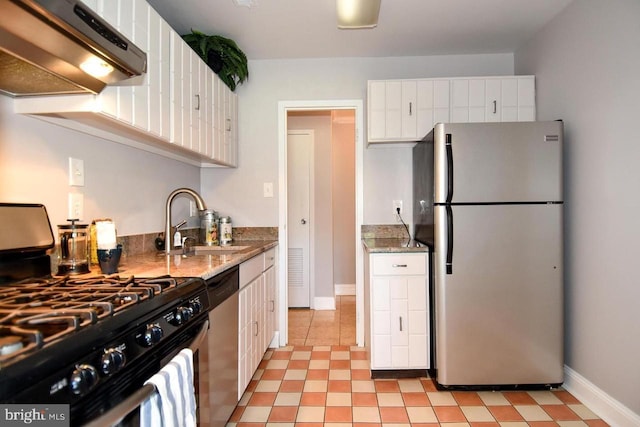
column 222, row 55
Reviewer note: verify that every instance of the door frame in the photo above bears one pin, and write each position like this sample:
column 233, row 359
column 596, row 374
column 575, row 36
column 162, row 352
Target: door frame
column 283, row 108
column 312, row 222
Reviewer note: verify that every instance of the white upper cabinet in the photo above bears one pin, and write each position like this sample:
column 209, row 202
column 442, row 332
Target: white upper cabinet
column 406, row 110
column 493, row 99
column 170, row 110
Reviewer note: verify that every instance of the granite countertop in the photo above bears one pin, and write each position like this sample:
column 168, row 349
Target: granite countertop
column 391, row 245
column 152, row 264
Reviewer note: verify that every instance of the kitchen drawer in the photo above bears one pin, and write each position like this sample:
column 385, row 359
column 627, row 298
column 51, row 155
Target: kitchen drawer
column 269, row 258
column 399, row 264
column 251, row 269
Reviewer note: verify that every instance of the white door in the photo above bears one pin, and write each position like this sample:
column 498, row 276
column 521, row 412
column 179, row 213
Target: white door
column 299, row 162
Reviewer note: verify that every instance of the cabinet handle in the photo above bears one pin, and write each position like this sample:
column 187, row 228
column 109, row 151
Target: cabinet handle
column 495, row 106
column 256, row 333
column 400, row 323
column 228, row 125
column 399, row 265
column 410, row 108
column 197, row 102
column 273, row 306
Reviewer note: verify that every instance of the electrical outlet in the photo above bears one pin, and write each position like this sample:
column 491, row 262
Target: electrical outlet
column 76, row 172
column 192, row 208
column 76, row 206
column 397, row 204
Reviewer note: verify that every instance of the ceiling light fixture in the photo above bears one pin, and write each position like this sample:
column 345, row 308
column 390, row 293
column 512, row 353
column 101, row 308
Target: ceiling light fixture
column 357, row 13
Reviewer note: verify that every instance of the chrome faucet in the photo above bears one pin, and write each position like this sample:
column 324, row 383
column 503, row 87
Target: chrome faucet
column 167, row 226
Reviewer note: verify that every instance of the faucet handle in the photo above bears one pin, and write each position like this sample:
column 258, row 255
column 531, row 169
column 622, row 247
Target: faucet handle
column 180, row 224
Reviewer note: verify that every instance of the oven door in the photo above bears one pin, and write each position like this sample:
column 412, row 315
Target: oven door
column 127, row 412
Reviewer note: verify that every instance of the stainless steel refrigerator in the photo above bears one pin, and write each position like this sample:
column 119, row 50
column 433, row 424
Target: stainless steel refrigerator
column 488, row 198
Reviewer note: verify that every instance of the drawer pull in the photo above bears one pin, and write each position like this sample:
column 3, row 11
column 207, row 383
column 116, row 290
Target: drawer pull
column 400, row 323
column 400, row 265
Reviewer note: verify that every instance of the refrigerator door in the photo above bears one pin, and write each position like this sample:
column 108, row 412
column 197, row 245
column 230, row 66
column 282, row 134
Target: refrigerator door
column 499, row 313
column 498, row 162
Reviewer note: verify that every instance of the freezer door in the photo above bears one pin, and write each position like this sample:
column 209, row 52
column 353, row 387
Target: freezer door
column 498, row 162
column 499, row 314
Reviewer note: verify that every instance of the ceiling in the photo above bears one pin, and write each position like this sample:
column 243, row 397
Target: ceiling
column 307, row 28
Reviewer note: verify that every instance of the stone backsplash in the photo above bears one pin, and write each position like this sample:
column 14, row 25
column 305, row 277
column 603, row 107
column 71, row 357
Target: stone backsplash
column 141, row 243
column 383, row 231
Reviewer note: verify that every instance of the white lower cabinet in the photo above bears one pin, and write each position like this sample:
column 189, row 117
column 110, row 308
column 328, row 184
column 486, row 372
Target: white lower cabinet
column 256, row 314
column 397, row 330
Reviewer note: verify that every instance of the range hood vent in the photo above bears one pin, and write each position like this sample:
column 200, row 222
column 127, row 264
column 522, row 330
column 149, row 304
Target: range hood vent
column 53, row 47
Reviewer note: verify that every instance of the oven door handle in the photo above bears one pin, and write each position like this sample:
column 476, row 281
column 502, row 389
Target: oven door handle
column 124, row 408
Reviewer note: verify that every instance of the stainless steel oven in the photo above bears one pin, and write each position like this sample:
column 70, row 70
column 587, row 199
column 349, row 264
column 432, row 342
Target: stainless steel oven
column 126, row 413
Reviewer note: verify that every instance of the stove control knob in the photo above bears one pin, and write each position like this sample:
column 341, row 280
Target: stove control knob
column 183, row 314
column 83, row 379
column 195, row 306
column 112, row 361
column 152, row 335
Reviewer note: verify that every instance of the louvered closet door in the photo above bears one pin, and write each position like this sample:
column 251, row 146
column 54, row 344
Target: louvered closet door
column 299, row 162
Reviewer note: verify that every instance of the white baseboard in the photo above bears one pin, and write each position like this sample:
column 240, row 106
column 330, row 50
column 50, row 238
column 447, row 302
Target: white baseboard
column 324, row 303
column 345, row 288
column 606, row 407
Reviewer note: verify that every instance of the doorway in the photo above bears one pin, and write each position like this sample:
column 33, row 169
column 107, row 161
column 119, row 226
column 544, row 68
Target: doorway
column 322, row 299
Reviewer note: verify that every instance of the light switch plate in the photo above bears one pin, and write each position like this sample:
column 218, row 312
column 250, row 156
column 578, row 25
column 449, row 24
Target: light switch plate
column 76, row 172
column 268, row 189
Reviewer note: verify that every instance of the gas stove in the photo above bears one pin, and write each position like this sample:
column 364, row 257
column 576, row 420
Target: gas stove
column 37, row 312
column 85, row 341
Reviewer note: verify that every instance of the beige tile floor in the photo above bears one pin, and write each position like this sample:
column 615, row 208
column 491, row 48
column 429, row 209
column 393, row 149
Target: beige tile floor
column 323, row 379
column 324, row 327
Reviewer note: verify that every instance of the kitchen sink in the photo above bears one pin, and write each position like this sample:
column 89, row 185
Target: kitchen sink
column 213, row 250
column 207, row 250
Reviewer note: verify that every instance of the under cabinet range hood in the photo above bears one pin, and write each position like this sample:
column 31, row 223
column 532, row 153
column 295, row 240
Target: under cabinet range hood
column 52, row 47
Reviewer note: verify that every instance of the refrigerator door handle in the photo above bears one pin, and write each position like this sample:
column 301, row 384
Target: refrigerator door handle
column 449, row 263
column 449, row 150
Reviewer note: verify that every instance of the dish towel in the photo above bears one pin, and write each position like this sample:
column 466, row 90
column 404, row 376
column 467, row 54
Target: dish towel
column 174, row 402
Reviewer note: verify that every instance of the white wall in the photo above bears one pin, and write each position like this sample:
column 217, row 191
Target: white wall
column 344, row 196
column 387, row 172
column 125, row 184
column 586, row 63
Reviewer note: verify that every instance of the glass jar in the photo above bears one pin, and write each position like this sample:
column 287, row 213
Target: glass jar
column 226, row 230
column 209, row 235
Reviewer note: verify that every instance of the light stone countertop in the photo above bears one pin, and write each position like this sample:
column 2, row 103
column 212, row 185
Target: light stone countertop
column 391, row 245
column 153, row 264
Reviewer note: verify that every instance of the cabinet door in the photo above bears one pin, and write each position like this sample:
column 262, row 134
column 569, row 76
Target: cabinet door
column 409, row 110
column 139, row 11
column 380, row 322
column 417, row 322
column 376, row 102
column 425, row 108
column 493, row 101
column 244, row 340
column 441, row 101
column 509, row 100
column 460, row 101
column 179, row 68
column 393, row 109
column 476, row 100
column 526, row 99
column 270, row 309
